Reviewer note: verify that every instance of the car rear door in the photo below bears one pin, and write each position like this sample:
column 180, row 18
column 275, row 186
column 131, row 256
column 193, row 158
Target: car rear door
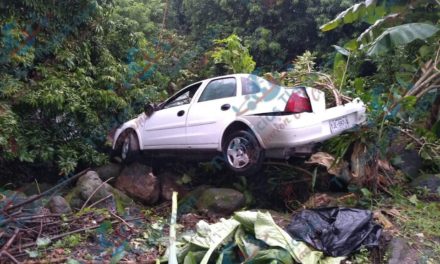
column 165, row 128
column 213, row 110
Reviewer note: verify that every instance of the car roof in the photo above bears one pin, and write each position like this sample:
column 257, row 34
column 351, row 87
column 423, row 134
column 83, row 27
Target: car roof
column 230, row 75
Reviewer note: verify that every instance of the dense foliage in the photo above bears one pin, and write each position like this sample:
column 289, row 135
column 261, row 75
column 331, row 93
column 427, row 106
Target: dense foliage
column 64, row 83
column 71, row 71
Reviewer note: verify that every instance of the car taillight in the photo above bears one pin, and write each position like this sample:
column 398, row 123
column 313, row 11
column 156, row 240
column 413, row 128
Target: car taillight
column 298, row 102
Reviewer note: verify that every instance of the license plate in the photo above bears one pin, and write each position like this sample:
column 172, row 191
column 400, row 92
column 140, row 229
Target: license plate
column 339, row 124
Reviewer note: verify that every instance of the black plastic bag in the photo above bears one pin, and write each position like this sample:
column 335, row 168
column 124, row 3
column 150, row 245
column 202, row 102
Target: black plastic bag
column 335, row 231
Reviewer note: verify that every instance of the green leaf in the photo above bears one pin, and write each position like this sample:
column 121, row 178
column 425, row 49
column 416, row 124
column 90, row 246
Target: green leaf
column 247, row 219
column 32, row 253
column 43, row 241
column 273, row 235
column 341, row 50
column 211, row 236
column 247, row 243
column 194, row 257
column 271, row 256
column 413, row 199
column 401, row 35
column 186, row 179
column 409, row 102
column 347, row 16
column 351, row 45
column 366, row 193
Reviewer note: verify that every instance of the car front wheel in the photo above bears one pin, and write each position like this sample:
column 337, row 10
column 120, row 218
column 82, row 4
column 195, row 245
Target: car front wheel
column 129, row 150
column 242, row 152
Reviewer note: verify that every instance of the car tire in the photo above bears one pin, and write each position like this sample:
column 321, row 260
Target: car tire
column 242, row 152
column 129, row 150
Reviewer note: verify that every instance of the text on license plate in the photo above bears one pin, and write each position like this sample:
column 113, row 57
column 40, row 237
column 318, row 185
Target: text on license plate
column 339, row 124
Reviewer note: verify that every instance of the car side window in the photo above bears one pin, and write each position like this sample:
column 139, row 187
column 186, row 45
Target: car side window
column 249, row 86
column 217, row 89
column 183, row 97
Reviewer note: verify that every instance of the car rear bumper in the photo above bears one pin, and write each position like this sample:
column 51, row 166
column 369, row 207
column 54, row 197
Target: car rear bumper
column 288, row 131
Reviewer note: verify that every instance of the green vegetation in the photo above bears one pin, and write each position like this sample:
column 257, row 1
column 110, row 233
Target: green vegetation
column 72, row 71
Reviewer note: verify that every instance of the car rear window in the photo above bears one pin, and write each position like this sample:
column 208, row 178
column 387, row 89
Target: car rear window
column 249, row 86
column 217, row 89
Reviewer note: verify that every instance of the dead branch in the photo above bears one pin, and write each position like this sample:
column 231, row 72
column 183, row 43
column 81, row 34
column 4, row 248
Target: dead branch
column 93, row 193
column 122, row 220
column 8, row 244
column 100, row 200
column 80, row 230
column 11, row 257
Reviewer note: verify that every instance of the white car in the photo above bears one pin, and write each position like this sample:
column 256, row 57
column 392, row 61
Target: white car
column 242, row 117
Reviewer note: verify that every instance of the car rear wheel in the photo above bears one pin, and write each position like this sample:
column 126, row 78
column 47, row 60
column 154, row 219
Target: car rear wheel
column 129, row 150
column 243, row 153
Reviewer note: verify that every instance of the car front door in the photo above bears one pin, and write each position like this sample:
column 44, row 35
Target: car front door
column 213, row 110
column 165, row 128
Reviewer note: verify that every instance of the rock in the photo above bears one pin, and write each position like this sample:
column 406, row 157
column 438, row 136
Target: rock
column 138, row 182
column 9, row 198
column 187, row 203
column 429, row 181
column 168, row 185
column 409, row 162
column 89, row 183
column 36, row 207
column 110, row 170
column 220, row 201
column 32, row 188
column 401, row 252
column 74, row 199
column 59, row 205
column 121, row 200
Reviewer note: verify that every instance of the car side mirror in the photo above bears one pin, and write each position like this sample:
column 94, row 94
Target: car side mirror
column 149, row 109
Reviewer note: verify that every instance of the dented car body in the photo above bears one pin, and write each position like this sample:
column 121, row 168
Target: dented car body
column 242, row 116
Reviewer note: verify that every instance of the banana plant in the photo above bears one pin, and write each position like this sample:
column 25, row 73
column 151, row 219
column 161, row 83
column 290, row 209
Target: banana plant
column 384, row 16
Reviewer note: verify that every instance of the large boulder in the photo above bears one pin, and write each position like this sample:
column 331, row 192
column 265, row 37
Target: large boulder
column 104, row 195
column 35, row 188
column 429, row 181
column 220, row 201
column 187, row 203
column 59, row 205
column 138, row 182
column 110, row 170
column 409, row 162
column 169, row 184
column 91, row 183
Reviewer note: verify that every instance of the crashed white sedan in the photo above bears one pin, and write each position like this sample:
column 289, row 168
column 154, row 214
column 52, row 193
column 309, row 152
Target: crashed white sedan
column 242, row 117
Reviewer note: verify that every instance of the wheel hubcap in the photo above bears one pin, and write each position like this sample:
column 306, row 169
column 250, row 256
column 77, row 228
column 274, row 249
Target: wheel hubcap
column 238, row 152
column 125, row 147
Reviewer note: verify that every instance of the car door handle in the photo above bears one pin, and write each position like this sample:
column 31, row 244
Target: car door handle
column 180, row 113
column 225, row 107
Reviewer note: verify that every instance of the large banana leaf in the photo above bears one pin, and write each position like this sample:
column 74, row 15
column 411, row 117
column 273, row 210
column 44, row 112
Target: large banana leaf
column 268, row 231
column 273, row 235
column 257, row 236
column 401, row 35
column 273, row 255
column 365, row 10
column 368, row 11
column 212, row 236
